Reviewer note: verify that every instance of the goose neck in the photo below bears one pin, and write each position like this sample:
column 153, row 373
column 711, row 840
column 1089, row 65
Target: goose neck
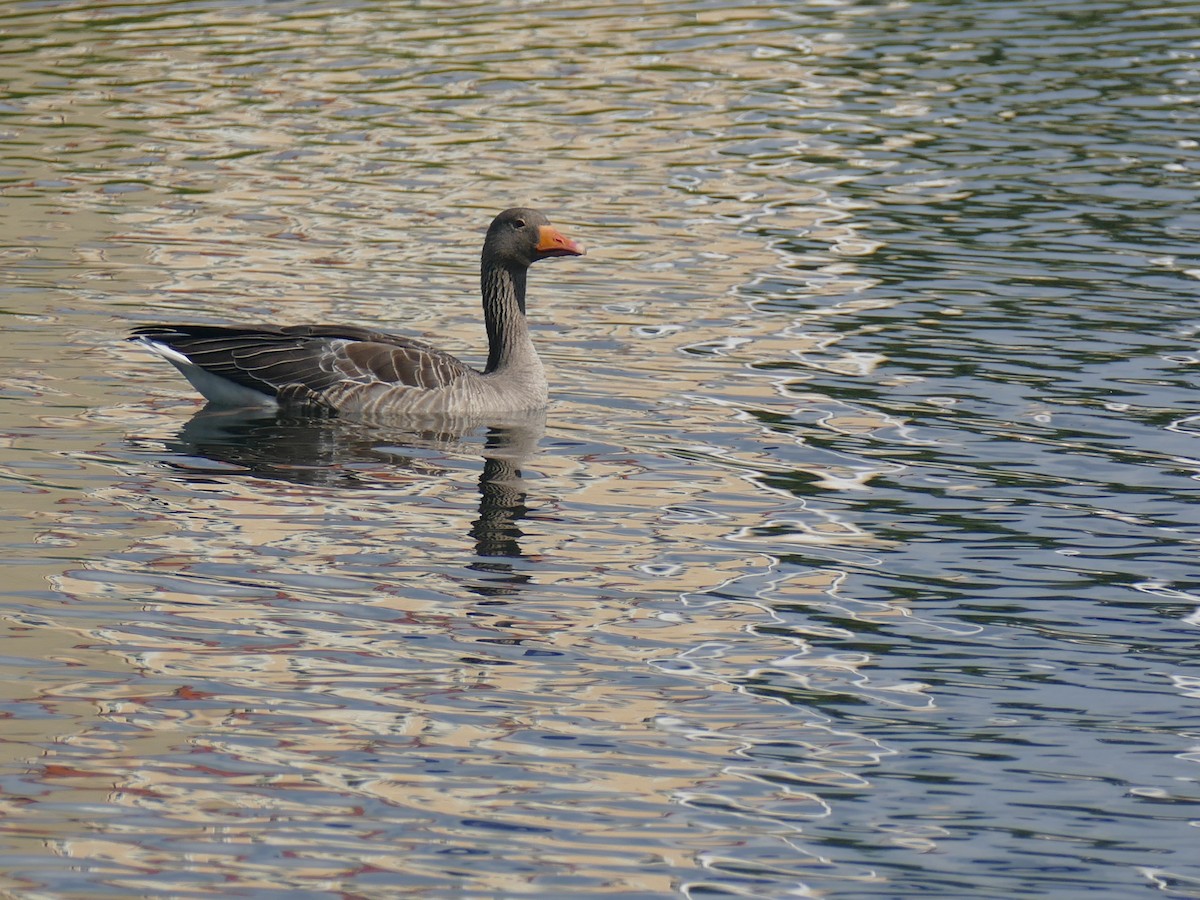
column 503, row 290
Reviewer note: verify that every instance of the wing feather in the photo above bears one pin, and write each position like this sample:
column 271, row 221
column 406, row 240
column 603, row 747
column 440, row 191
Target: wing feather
column 301, row 363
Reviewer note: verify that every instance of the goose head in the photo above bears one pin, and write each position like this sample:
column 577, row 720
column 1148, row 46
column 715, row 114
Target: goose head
column 519, row 237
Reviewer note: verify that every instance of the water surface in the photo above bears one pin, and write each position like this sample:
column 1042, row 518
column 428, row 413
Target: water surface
column 856, row 556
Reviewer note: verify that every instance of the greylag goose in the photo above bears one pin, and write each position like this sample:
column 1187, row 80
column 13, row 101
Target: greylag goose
column 362, row 373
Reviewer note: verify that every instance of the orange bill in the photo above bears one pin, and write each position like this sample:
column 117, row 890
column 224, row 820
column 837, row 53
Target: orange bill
column 551, row 243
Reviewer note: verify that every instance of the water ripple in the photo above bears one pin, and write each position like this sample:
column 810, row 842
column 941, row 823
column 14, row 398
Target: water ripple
column 854, row 557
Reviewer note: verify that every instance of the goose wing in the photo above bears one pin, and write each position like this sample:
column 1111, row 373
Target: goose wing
column 302, row 363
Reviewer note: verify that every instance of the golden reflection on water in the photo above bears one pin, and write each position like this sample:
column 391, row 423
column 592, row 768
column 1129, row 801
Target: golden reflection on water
column 354, row 680
column 298, row 645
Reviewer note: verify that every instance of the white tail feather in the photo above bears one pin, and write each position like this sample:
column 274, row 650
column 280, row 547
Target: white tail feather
column 215, row 389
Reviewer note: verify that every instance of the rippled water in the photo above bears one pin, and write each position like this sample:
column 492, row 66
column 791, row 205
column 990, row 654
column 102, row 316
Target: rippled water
column 855, row 558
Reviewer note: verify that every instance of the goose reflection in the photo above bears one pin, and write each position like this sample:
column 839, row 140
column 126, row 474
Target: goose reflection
column 331, row 453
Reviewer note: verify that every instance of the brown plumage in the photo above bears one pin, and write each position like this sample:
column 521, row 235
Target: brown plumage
column 363, row 373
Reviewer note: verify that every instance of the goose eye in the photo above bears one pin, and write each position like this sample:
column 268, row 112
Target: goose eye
column 518, row 223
